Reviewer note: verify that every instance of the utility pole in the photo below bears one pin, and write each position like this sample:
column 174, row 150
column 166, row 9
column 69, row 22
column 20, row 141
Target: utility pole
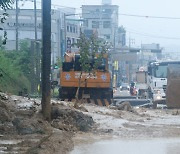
column 35, row 21
column 17, row 26
column 65, row 40
column 36, row 49
column 46, row 59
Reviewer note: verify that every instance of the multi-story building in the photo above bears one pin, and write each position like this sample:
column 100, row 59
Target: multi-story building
column 102, row 18
column 121, row 37
column 26, row 29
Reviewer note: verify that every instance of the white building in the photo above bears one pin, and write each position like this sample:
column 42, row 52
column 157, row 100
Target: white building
column 103, row 19
column 26, row 26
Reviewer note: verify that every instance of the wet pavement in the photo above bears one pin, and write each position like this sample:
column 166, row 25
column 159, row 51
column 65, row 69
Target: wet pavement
column 130, row 146
column 124, row 96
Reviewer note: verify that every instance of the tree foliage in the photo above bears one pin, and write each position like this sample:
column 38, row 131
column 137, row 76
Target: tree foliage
column 91, row 56
column 4, row 5
column 89, row 48
column 16, row 69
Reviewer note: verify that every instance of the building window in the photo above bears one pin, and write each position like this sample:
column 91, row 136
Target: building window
column 107, row 11
column 68, row 28
column 73, row 42
column 74, row 30
column 25, row 17
column 106, row 24
column 107, row 36
column 95, row 24
column 71, row 29
column 97, row 10
column 78, row 41
column 86, row 23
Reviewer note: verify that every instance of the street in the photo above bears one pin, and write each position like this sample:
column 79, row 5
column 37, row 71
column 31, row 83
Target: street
column 89, row 77
column 136, row 131
column 124, row 96
column 141, row 131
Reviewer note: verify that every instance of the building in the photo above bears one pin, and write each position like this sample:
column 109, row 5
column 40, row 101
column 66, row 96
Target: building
column 103, row 19
column 121, row 37
column 26, row 29
column 106, row 2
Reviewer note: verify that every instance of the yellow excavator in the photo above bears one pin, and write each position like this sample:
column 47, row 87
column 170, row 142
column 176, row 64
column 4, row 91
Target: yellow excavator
column 94, row 86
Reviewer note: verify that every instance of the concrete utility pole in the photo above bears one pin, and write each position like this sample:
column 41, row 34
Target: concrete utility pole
column 35, row 21
column 36, row 47
column 65, row 40
column 17, row 26
column 46, row 59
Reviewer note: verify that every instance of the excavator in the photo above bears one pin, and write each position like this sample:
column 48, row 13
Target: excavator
column 94, row 86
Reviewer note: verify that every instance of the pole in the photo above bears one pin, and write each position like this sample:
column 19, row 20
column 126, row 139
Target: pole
column 17, row 26
column 36, row 50
column 35, row 21
column 65, row 40
column 46, row 59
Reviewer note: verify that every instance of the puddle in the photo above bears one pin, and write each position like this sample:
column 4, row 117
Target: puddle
column 124, row 146
column 8, row 142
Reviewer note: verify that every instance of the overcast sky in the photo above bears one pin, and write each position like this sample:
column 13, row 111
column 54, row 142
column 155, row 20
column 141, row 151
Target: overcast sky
column 144, row 30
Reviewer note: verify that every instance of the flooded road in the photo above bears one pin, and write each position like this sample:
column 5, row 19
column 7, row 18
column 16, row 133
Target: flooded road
column 126, row 146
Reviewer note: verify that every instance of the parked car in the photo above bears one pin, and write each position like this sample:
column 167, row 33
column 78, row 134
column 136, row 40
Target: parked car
column 124, row 86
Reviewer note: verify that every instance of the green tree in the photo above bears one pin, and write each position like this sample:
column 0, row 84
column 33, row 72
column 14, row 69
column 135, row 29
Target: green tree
column 24, row 62
column 89, row 48
column 12, row 79
column 4, row 5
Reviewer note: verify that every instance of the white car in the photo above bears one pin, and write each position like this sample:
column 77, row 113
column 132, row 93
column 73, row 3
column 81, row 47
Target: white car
column 124, row 87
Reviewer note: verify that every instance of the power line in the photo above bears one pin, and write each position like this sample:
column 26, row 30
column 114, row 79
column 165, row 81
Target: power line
column 146, row 16
column 154, row 36
column 121, row 14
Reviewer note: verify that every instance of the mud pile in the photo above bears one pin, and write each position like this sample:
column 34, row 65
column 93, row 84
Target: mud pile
column 21, row 121
column 68, row 119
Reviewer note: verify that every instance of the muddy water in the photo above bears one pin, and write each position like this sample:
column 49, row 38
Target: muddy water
column 124, row 146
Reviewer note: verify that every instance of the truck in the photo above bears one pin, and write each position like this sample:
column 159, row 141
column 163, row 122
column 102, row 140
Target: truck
column 94, row 85
column 157, row 81
column 141, row 84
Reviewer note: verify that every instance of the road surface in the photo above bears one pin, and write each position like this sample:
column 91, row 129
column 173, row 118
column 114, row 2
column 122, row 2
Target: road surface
column 140, row 131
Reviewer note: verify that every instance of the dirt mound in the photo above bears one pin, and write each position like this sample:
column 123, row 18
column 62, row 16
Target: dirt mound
column 69, row 119
column 125, row 106
column 21, row 120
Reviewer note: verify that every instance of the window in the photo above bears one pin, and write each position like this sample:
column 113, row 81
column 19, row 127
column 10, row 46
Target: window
column 107, row 36
column 107, row 11
column 106, row 24
column 68, row 28
column 161, row 71
column 71, row 29
column 25, row 17
column 95, row 24
column 97, row 10
column 74, row 29
column 86, row 23
column 73, row 42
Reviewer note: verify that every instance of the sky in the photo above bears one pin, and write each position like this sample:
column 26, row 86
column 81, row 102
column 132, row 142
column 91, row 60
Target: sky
column 144, row 30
